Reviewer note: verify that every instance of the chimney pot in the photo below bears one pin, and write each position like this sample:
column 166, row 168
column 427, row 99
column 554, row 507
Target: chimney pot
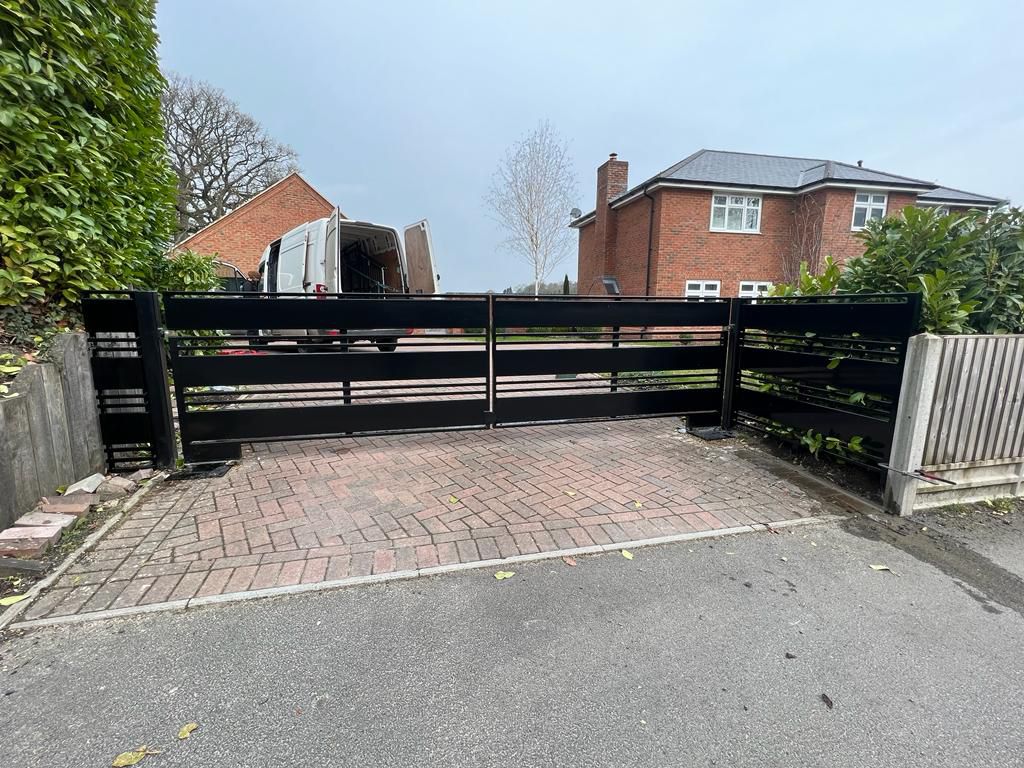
column 860, row 163
column 613, row 155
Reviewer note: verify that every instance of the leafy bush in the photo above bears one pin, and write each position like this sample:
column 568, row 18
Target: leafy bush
column 184, row 271
column 86, row 196
column 968, row 268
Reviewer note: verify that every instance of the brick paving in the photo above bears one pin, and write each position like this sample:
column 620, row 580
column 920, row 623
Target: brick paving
column 309, row 512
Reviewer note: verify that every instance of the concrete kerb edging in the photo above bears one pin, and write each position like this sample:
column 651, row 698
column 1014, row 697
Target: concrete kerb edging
column 438, row 570
column 38, row 588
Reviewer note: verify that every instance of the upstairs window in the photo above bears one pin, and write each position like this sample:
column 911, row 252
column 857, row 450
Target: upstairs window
column 703, row 289
column 867, row 206
column 751, row 289
column 735, row 213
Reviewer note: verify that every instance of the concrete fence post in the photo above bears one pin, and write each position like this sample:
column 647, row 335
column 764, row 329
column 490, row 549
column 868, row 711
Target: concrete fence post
column 920, row 373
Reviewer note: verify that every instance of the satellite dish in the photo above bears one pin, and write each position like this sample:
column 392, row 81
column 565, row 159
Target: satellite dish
column 575, row 213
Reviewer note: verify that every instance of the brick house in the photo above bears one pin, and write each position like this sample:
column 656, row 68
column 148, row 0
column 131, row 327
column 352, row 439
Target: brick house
column 731, row 223
column 239, row 237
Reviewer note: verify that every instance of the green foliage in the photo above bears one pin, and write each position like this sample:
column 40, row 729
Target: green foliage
column 969, row 269
column 86, row 196
column 811, row 285
column 184, row 271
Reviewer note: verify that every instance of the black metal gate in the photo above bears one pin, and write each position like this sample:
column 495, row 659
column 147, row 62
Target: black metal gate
column 823, row 370
column 453, row 362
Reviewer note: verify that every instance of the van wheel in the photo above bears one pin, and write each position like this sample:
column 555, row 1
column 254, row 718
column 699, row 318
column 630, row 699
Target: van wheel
column 387, row 345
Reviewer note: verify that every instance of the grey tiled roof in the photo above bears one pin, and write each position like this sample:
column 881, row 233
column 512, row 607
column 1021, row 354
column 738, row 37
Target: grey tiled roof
column 791, row 173
column 949, row 195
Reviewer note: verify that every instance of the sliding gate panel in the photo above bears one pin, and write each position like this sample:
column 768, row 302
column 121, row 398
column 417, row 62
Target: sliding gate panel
column 576, row 359
column 372, row 365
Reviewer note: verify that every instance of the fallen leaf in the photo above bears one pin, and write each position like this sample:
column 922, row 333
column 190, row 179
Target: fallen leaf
column 784, row 559
column 502, row 575
column 12, row 599
column 186, row 730
column 569, row 560
column 133, row 757
column 627, row 554
column 828, row 701
column 790, row 655
column 637, row 504
column 453, row 500
column 879, row 567
column 925, row 528
column 570, row 493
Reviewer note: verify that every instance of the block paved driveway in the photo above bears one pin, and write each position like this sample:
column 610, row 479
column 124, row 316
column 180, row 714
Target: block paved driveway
column 317, row 511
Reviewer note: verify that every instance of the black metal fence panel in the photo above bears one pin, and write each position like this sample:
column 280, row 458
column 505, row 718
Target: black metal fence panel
column 247, row 367
column 130, row 376
column 824, row 371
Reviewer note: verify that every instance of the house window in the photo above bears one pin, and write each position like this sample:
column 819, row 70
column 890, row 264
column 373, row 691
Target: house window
column 867, row 206
column 735, row 213
column 751, row 289
column 703, row 289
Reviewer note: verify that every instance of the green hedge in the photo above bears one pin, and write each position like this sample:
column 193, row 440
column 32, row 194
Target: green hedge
column 86, row 195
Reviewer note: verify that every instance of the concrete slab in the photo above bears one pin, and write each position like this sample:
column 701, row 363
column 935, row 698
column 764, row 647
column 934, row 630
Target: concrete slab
column 33, row 519
column 28, row 541
column 115, row 488
column 88, row 484
column 76, row 504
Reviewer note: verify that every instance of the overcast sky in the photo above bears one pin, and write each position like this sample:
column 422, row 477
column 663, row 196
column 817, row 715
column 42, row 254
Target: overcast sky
column 401, row 110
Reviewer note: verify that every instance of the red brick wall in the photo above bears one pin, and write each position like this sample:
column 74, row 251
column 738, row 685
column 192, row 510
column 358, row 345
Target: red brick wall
column 589, row 263
column 838, row 239
column 241, row 237
column 687, row 250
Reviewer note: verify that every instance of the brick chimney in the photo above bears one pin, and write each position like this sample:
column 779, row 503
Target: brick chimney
column 612, row 181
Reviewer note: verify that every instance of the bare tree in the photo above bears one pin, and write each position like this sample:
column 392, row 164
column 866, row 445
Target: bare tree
column 808, row 238
column 221, row 155
column 531, row 195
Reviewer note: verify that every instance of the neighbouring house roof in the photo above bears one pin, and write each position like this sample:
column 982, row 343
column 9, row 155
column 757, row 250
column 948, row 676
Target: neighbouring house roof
column 950, row 196
column 294, row 176
column 775, row 173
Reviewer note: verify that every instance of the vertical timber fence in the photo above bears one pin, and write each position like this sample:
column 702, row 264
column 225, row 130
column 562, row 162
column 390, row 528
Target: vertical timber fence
column 960, row 431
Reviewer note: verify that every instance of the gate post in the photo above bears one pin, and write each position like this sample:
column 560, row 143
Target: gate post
column 732, row 348
column 492, row 376
column 153, row 352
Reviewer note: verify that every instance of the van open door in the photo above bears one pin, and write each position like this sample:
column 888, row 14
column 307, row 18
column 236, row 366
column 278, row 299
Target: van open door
column 332, row 255
column 419, row 258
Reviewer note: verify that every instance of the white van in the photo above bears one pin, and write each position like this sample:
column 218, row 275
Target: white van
column 338, row 255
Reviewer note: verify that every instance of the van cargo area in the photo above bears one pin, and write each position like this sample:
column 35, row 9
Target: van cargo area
column 336, row 255
column 370, row 261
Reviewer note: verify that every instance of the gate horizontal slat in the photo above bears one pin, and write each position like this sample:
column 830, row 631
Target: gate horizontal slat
column 330, row 312
column 875, row 319
column 125, row 428
column 568, row 407
column 267, row 424
column 802, row 415
column 291, row 368
column 522, row 362
column 117, row 373
column 867, row 375
column 109, row 315
column 606, row 313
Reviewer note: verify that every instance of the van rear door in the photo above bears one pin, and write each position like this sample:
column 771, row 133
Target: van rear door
column 419, row 258
column 332, row 254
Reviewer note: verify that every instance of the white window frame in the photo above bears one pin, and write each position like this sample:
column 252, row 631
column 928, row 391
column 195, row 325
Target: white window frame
column 868, row 206
column 760, row 288
column 702, row 291
column 744, row 207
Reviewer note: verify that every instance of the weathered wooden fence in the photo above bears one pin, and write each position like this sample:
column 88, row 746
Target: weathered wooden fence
column 961, row 419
